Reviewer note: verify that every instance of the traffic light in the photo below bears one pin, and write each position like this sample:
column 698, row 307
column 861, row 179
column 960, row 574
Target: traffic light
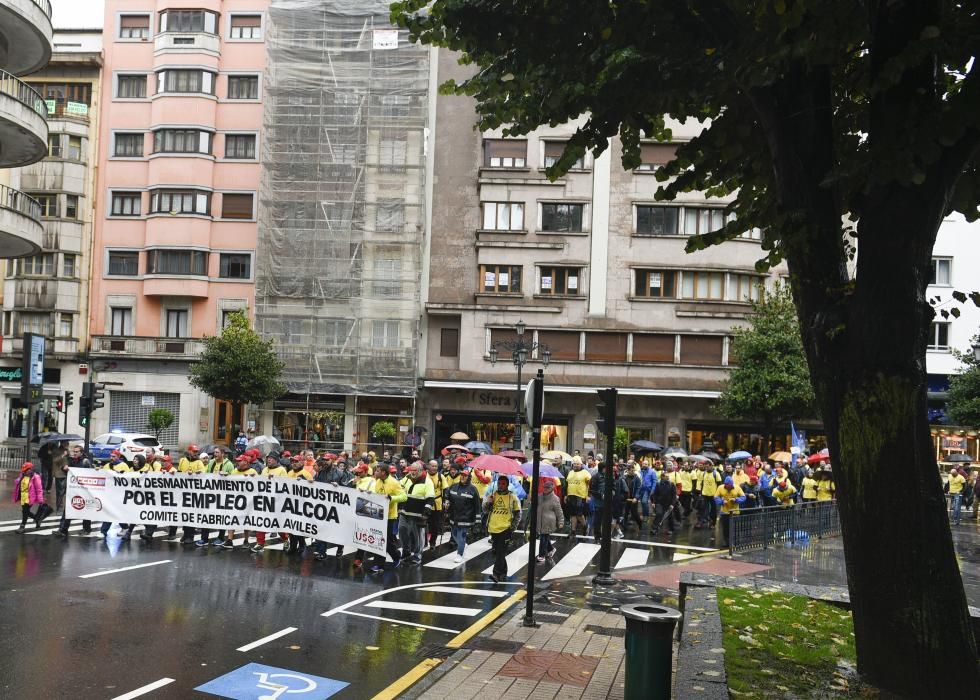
column 59, row 404
column 68, row 400
column 606, row 423
column 83, row 404
column 96, row 396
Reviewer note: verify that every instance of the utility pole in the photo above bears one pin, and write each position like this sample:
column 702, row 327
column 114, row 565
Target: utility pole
column 606, row 424
column 535, row 404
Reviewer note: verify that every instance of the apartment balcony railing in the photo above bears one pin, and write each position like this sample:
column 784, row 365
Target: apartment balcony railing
column 23, row 123
column 27, row 34
column 136, row 346
column 20, row 223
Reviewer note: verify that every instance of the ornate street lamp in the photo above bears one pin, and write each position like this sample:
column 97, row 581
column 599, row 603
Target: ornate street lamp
column 520, row 351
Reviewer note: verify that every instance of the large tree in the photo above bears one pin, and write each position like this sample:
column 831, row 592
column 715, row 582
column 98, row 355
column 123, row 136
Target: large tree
column 238, row 366
column 836, row 125
column 770, row 380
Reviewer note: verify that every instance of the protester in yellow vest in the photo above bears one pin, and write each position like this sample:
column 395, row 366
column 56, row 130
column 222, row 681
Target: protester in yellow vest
column 387, row 485
column 191, row 462
column 505, row 510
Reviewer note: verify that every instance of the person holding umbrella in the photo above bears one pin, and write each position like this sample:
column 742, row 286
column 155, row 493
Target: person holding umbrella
column 665, row 501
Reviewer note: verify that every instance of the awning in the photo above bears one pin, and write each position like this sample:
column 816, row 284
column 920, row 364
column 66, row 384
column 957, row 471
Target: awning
column 564, row 389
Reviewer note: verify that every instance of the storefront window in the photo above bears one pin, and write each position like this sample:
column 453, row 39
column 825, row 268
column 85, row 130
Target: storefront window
column 45, row 417
column 498, row 432
column 317, row 423
column 725, row 439
column 949, row 442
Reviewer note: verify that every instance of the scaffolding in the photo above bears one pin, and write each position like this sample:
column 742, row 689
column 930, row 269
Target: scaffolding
column 342, row 198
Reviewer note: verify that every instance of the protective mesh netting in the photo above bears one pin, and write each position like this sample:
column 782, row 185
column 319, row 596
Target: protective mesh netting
column 341, row 215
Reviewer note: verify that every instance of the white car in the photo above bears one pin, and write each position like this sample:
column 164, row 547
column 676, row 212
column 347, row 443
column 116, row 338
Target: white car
column 129, row 444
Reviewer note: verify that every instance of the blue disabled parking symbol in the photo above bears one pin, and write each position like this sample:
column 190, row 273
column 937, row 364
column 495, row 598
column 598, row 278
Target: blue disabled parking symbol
column 259, row 682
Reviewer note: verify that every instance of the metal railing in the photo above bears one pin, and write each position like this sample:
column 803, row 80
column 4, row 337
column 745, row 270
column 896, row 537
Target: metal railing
column 12, row 457
column 135, row 345
column 45, row 5
column 20, row 202
column 762, row 527
column 23, row 93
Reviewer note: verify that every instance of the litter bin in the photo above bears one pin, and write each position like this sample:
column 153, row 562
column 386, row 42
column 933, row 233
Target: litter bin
column 649, row 650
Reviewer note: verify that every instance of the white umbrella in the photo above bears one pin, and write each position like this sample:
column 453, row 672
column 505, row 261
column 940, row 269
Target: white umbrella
column 264, row 443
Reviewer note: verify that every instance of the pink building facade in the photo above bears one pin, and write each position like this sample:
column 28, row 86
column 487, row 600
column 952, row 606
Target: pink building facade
column 176, row 208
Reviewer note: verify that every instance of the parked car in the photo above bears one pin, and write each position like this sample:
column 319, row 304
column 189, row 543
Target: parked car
column 129, row 444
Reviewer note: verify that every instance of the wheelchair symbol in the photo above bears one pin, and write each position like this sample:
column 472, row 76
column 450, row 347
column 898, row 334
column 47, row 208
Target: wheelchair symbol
column 265, row 683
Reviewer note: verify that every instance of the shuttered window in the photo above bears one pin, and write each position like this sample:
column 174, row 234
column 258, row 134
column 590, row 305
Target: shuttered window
column 504, row 153
column 701, row 350
column 563, row 344
column 449, row 342
column 609, row 347
column 653, row 155
column 236, row 206
column 134, row 26
column 653, row 347
column 553, row 151
column 129, row 412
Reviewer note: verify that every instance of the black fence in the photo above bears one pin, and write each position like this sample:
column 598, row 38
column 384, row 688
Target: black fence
column 762, row 527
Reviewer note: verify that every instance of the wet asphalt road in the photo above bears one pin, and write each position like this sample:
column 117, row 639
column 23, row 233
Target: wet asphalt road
column 101, row 637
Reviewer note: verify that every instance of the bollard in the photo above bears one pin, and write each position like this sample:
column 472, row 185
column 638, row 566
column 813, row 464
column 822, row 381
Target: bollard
column 649, row 650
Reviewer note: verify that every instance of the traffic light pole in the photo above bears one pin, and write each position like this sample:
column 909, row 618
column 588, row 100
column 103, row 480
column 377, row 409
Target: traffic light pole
column 85, row 410
column 536, row 411
column 608, row 410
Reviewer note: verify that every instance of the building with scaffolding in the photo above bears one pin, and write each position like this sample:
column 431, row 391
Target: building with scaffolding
column 342, row 220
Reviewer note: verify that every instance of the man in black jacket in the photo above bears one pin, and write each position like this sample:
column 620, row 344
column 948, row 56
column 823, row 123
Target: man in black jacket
column 464, row 508
column 664, row 498
column 329, row 473
column 414, row 513
column 76, row 460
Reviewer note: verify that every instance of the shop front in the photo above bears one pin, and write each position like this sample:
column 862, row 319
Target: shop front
column 727, row 438
column 314, row 421
column 46, row 415
column 950, row 440
column 497, row 430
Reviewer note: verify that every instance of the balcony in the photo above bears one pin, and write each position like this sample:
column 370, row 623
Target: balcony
column 187, row 42
column 175, row 286
column 23, row 123
column 20, row 224
column 25, row 35
column 160, row 348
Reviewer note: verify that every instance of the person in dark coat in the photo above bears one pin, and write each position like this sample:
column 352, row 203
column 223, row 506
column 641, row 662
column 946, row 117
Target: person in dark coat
column 664, row 498
column 463, row 509
column 329, row 473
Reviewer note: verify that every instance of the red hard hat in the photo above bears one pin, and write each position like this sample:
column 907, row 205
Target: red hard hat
column 168, row 458
column 194, row 449
column 115, row 453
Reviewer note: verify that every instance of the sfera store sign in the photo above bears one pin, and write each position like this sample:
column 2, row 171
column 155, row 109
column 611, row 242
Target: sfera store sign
column 489, row 398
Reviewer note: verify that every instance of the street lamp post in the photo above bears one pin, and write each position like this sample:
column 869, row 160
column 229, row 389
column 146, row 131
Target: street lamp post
column 520, row 351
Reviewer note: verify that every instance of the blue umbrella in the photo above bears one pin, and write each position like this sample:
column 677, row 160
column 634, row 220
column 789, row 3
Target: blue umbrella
column 477, row 446
column 543, row 469
column 741, row 454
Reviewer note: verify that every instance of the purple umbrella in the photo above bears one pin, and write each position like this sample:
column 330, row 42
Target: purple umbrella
column 543, row 469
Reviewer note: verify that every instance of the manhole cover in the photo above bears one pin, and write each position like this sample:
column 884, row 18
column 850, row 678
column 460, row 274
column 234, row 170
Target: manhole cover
column 606, row 631
column 498, row 646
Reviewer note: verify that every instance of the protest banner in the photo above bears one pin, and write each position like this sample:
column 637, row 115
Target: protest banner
column 324, row 512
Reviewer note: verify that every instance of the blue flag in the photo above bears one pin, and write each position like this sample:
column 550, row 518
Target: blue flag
column 799, row 444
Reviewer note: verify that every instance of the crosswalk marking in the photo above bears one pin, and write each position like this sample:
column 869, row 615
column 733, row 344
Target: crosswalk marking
column 423, row 608
column 399, row 622
column 465, row 591
column 632, row 556
column 471, row 551
column 574, row 562
column 516, row 561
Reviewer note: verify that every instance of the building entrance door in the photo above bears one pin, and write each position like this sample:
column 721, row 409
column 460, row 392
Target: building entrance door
column 226, row 424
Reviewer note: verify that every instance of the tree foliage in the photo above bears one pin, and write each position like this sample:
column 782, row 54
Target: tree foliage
column 238, row 366
column 622, row 443
column 963, row 402
column 770, row 382
column 158, row 420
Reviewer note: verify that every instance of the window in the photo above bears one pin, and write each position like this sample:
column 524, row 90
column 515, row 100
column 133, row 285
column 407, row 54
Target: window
column 126, row 203
column 199, row 81
column 702, row 285
column 176, row 262
column 504, row 153
column 701, row 349
column 393, row 154
column 176, row 323
column 744, row 287
column 387, row 273
column 128, row 145
column 235, row 266
column 131, row 86
column 180, row 202
column 68, row 267
column 941, row 271
column 63, row 93
column 243, row 87
column 124, row 263
column 121, row 321
column 40, row 265
column 939, row 336
column 384, row 334
column 35, row 323
column 54, row 145
column 449, row 342
column 564, row 345
column 181, row 141
column 606, row 347
column 656, row 221
column 563, row 218
column 240, row 146
column 653, row 347
column 500, row 278
column 71, row 206
column 49, row 204
column 188, row 21
column 560, row 280
column 503, row 216
column 553, row 151
column 701, row 220
column 66, row 327
column 236, row 206
column 74, row 148
column 390, row 215
column 246, row 26
column 656, row 283
column 653, row 155
column 134, row 26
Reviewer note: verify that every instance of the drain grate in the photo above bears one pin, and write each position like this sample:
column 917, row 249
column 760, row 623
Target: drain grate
column 434, row 651
column 553, row 608
column 497, row 646
column 606, row 631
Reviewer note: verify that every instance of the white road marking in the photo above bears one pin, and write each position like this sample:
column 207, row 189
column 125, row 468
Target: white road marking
column 516, row 561
column 633, row 556
column 574, row 562
column 145, row 689
column 125, row 568
column 378, row 594
column 644, row 543
column 265, row 640
column 400, row 622
column 423, row 608
column 465, row 591
column 678, row 556
column 472, row 551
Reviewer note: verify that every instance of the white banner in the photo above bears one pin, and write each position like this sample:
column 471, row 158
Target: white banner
column 324, row 512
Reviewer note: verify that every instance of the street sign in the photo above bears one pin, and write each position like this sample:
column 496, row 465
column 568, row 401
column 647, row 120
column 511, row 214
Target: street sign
column 261, row 682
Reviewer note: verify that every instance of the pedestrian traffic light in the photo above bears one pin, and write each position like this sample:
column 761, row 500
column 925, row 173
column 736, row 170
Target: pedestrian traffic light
column 83, row 404
column 59, row 404
column 96, row 396
column 606, row 422
column 69, row 400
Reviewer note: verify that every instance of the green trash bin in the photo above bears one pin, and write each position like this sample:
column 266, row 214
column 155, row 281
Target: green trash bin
column 649, row 650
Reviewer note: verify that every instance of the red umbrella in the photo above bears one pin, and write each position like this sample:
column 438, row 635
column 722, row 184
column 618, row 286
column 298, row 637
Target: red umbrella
column 512, row 454
column 819, row 457
column 458, row 448
column 498, row 464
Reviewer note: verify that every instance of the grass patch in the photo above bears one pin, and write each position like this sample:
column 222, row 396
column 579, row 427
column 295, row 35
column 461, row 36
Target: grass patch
column 779, row 645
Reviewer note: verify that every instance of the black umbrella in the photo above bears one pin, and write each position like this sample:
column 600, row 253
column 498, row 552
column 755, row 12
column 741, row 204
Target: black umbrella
column 645, row 446
column 713, row 456
column 59, row 437
column 959, row 458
